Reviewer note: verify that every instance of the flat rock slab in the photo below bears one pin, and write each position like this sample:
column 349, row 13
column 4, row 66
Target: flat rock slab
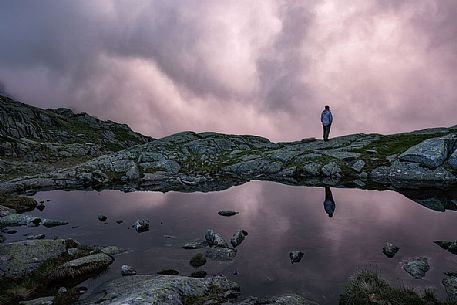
column 431, row 152
column 21, row 258
column 99, row 258
column 416, row 267
column 162, row 289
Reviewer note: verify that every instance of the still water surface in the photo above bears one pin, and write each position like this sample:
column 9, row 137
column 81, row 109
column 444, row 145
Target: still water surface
column 278, row 218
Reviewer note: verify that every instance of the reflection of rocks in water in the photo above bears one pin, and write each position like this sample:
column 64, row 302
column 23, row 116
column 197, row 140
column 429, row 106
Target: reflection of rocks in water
column 451, row 246
column 434, row 199
column 416, row 267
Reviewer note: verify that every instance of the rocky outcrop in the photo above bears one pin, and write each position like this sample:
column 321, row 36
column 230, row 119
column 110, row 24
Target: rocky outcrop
column 30, row 134
column 165, row 289
column 178, row 290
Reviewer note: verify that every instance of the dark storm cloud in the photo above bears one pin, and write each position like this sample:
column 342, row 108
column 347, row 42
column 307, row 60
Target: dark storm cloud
column 263, row 67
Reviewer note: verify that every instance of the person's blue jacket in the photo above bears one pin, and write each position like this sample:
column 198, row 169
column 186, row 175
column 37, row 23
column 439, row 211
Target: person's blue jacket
column 326, row 117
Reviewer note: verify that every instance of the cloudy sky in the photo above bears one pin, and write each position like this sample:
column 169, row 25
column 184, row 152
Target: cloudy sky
column 264, row 67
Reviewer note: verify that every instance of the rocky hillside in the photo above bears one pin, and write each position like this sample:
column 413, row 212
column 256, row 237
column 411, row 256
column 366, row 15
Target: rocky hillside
column 57, row 136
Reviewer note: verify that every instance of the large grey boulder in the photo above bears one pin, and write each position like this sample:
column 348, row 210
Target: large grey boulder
column 416, row 267
column 81, row 266
column 19, row 259
column 430, row 153
column 196, row 244
column 163, row 289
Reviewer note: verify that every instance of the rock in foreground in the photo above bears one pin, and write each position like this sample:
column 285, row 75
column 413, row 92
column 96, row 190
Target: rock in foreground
column 21, row 258
column 416, row 267
column 166, row 289
column 179, row 290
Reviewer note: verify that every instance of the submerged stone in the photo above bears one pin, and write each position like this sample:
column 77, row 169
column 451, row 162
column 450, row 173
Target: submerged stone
column 197, row 260
column 221, row 254
column 196, row 244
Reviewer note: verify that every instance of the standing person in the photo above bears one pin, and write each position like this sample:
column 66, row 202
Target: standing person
column 326, row 119
column 329, row 203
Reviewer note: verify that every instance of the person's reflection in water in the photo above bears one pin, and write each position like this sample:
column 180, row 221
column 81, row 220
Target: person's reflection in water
column 329, row 203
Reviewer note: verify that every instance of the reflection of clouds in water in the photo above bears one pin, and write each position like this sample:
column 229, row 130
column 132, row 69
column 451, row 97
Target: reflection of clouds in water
column 119, row 202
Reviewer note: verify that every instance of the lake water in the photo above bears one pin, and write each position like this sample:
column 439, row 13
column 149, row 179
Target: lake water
column 278, row 218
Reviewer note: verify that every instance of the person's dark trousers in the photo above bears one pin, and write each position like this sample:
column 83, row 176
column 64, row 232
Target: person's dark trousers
column 326, row 130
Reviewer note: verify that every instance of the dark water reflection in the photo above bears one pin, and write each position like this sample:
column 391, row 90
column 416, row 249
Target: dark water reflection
column 279, row 219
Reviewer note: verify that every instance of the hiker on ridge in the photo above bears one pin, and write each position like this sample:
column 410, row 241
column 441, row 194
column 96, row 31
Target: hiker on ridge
column 326, row 119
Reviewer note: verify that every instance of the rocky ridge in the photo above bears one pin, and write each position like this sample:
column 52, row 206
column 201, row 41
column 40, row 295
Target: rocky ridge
column 34, row 138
